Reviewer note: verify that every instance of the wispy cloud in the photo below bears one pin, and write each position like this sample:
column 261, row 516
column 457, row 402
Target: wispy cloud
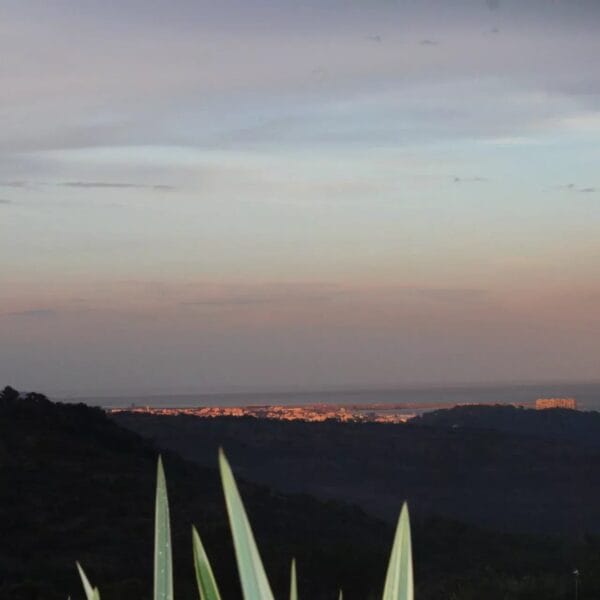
column 20, row 184
column 114, row 185
column 571, row 187
column 4, row 201
column 13, row 184
column 35, row 313
column 302, row 293
column 458, row 295
column 238, row 296
column 428, row 42
column 236, row 301
column 470, row 179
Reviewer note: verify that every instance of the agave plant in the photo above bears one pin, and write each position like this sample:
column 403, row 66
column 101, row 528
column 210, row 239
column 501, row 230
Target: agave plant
column 255, row 585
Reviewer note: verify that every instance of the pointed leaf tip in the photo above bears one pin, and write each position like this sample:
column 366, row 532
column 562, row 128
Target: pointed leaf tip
column 163, row 564
column 293, row 582
column 399, row 583
column 91, row 593
column 207, row 586
column 255, row 584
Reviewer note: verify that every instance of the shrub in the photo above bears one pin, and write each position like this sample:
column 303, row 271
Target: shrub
column 255, row 585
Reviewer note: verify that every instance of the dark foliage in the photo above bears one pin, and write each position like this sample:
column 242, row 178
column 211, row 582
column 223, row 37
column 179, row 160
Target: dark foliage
column 494, row 479
column 560, row 425
column 75, row 485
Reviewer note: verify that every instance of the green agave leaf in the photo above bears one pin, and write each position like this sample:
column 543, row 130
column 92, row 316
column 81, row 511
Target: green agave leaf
column 255, row 585
column 163, row 564
column 204, row 574
column 91, row 593
column 293, row 582
column 399, row 583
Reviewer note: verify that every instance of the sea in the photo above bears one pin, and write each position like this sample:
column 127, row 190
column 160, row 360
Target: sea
column 419, row 398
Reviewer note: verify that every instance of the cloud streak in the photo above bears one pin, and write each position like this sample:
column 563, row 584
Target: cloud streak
column 470, row 179
column 450, row 295
column 13, row 184
column 35, row 313
column 571, row 187
column 115, row 185
column 266, row 294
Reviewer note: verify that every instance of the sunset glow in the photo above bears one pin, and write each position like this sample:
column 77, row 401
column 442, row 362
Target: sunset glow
column 224, row 196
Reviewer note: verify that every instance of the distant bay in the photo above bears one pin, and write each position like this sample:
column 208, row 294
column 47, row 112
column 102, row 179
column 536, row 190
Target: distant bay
column 586, row 394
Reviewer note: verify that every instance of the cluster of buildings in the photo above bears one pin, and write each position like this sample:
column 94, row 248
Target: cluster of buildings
column 367, row 413
column 314, row 412
column 545, row 403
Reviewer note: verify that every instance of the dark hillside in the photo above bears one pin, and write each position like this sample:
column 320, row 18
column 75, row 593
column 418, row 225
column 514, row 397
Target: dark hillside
column 494, row 479
column 76, row 486
column 560, row 425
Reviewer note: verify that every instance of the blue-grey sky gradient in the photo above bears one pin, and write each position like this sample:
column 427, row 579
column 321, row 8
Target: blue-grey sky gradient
column 200, row 196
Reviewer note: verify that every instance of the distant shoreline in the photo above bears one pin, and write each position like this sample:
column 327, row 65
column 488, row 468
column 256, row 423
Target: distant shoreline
column 587, row 395
column 343, row 413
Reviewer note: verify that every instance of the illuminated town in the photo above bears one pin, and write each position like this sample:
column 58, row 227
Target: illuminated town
column 546, row 403
column 312, row 412
column 354, row 413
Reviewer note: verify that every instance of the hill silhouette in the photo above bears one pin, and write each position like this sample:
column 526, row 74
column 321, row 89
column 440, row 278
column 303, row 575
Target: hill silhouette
column 76, row 485
column 499, row 480
column 559, row 425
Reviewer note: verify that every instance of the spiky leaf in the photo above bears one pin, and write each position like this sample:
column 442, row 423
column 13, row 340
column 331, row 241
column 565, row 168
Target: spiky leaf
column 91, row 593
column 399, row 579
column 255, row 585
column 293, row 582
column 163, row 564
column 207, row 585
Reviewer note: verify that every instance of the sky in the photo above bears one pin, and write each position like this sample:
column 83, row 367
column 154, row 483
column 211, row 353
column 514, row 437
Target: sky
column 240, row 195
